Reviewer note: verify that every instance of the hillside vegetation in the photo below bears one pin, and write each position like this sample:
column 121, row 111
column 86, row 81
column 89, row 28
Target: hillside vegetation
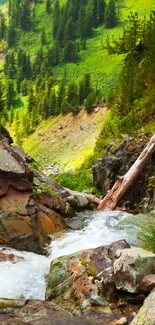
column 55, row 73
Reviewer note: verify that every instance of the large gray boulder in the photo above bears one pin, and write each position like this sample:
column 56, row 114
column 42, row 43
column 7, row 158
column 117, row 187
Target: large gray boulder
column 146, row 314
column 130, row 268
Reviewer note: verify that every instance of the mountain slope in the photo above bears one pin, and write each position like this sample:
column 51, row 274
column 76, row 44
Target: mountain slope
column 66, row 140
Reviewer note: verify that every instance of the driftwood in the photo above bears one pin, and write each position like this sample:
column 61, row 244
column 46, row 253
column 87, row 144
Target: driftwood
column 123, row 183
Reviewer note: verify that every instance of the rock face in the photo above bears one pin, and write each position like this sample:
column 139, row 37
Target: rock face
column 146, row 314
column 131, row 267
column 32, row 206
column 117, row 160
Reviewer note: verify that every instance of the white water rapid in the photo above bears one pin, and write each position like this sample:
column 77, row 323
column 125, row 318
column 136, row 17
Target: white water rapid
column 26, row 278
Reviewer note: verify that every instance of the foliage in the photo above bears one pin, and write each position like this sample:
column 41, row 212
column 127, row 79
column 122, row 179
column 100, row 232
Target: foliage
column 78, row 181
column 39, row 189
column 147, row 235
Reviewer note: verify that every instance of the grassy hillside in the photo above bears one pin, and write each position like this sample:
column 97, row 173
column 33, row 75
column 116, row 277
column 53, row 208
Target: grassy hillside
column 72, row 143
column 104, row 69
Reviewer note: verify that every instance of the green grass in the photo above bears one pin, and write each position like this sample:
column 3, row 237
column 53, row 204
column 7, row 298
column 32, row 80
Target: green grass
column 77, row 181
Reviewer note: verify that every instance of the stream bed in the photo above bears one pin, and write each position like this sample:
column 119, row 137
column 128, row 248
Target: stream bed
column 26, row 278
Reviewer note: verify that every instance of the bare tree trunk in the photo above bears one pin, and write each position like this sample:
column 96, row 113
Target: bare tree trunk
column 125, row 182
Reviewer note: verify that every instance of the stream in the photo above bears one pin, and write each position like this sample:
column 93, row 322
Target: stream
column 26, row 278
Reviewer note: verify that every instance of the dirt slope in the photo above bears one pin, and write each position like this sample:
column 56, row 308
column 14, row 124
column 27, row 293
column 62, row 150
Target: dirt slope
column 66, row 140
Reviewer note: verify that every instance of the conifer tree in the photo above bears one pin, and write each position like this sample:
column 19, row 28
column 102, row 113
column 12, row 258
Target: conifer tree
column 10, row 93
column 43, row 37
column 110, row 14
column 2, row 101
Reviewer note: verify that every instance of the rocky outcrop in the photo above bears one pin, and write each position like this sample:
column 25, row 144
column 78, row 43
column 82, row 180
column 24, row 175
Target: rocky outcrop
column 32, row 206
column 117, row 160
column 146, row 314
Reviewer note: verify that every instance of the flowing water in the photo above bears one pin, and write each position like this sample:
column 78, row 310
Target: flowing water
column 26, row 278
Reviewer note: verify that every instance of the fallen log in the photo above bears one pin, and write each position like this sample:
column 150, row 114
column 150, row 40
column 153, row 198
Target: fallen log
column 123, row 183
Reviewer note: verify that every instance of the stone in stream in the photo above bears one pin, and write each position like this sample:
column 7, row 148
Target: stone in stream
column 76, row 279
column 10, row 257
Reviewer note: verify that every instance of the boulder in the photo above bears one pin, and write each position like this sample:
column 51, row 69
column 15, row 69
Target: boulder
column 131, row 266
column 83, row 279
column 146, row 314
column 148, row 283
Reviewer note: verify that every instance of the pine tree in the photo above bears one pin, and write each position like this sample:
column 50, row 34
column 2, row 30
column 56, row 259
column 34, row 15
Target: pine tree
column 31, row 100
column 43, row 37
column 70, row 52
column 72, row 95
column 10, row 93
column 69, row 33
column 81, row 21
column 56, row 16
column 110, row 14
column 2, row 101
column 101, row 11
column 52, row 102
column 60, row 95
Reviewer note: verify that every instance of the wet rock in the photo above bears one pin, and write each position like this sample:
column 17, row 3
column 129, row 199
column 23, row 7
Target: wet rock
column 146, row 314
column 10, row 257
column 148, row 283
column 82, row 276
column 77, row 201
column 131, row 266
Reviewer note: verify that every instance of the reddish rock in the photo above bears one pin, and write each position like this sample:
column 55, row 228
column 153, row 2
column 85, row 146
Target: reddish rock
column 15, row 202
column 10, row 257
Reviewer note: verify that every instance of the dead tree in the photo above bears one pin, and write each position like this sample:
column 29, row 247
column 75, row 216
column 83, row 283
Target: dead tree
column 123, row 183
